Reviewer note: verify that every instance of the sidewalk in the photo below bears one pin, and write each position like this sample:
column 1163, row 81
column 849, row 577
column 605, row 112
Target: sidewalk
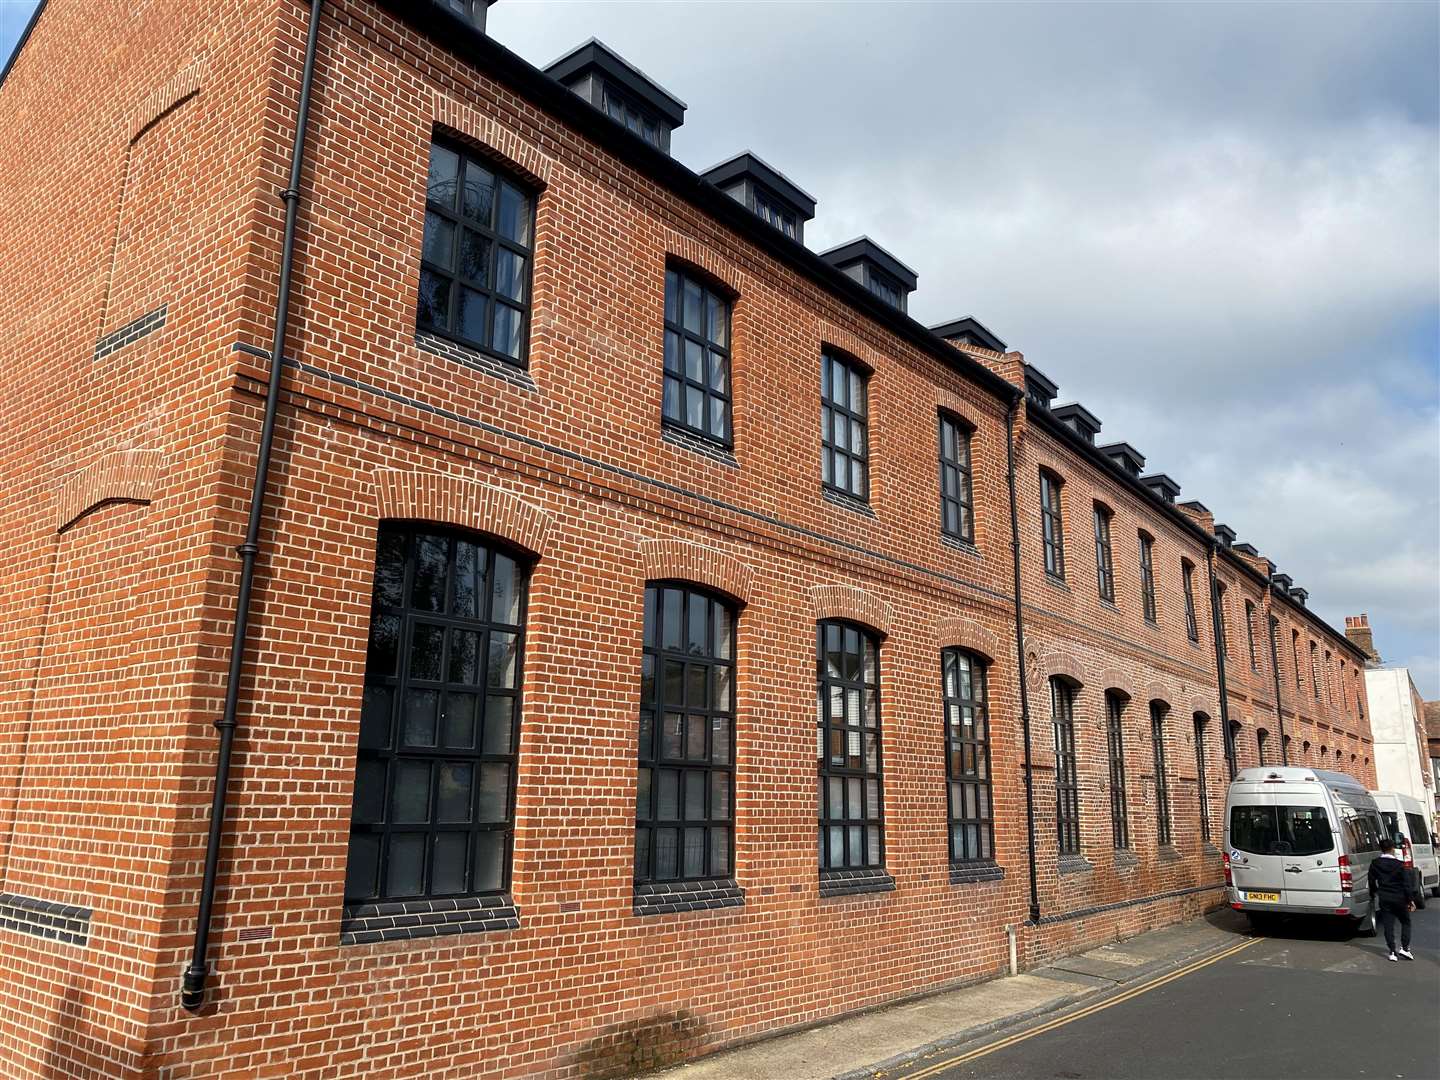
column 852, row 1048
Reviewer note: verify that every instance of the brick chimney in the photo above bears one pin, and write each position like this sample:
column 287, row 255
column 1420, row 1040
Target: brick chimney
column 1357, row 629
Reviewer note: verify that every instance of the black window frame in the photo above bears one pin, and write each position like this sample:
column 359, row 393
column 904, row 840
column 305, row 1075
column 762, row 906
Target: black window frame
column 1202, row 781
column 849, row 781
column 1164, row 835
column 1115, row 703
column 1262, row 739
column 959, row 467
column 833, row 411
column 775, row 214
column 708, row 763
column 1295, row 654
column 1222, row 630
column 1232, row 750
column 1315, row 668
column 1148, row 603
column 1250, row 635
column 887, row 287
column 1052, row 523
column 1104, row 553
column 1067, row 784
column 969, row 791
column 641, row 122
column 1192, row 624
column 398, row 681
column 675, row 363
column 454, row 216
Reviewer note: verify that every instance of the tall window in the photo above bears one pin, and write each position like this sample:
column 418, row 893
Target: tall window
column 475, row 264
column 1067, row 787
column 685, row 791
column 1262, row 740
column 1220, row 629
column 1104, row 564
column 697, row 357
column 1295, row 653
column 1315, row 669
column 1202, row 783
column 1050, row 524
column 1273, row 625
column 1232, row 752
column 848, row 720
column 967, row 746
column 1192, row 628
column 1250, row 635
column 1359, row 695
column 1115, row 743
column 956, row 495
column 434, row 773
column 845, row 453
column 1162, row 781
column 1147, row 576
column 1325, row 674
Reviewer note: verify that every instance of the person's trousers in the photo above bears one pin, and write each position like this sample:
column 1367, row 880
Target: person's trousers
column 1390, row 910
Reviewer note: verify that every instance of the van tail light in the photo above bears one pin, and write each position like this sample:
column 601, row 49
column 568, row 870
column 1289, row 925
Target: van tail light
column 1409, row 853
column 1225, row 859
column 1347, row 879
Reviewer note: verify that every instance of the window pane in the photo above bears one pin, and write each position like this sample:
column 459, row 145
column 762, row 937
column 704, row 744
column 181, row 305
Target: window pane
column 457, row 729
column 505, row 593
column 470, row 321
column 510, row 275
column 475, row 258
column 507, row 330
column 499, row 723
column 453, row 792
column 479, row 193
column 410, row 797
column 447, row 873
column 361, row 866
column 489, row 861
column 694, row 308
column 419, row 721
column 494, row 792
column 375, row 716
column 504, row 652
column 514, row 222
column 439, row 240
column 433, row 303
column 444, row 168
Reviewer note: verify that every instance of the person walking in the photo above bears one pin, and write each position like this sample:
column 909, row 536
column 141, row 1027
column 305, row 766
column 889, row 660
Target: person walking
column 1392, row 895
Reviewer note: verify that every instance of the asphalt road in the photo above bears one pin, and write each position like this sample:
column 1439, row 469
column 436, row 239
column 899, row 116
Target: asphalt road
column 1301, row 1002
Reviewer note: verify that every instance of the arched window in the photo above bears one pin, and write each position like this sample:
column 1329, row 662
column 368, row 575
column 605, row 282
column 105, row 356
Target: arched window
column 848, row 747
column 1067, row 786
column 1104, row 558
column 1262, row 740
column 1115, row 746
column 1232, row 753
column 957, row 503
column 1202, row 777
column 433, row 810
column 844, row 425
column 1052, row 530
column 1158, row 709
column 696, row 393
column 1147, row 577
column 967, row 758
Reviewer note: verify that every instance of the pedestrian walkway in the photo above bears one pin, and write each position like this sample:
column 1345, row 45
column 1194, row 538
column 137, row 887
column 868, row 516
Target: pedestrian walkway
column 858, row 1046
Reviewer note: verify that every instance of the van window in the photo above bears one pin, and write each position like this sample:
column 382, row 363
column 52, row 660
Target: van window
column 1280, row 830
column 1419, row 834
column 1392, row 826
column 1362, row 831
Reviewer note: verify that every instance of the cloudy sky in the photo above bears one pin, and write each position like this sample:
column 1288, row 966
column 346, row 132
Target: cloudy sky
column 1216, row 225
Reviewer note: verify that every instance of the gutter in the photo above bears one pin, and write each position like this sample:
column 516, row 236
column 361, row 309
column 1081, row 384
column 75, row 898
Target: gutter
column 192, row 993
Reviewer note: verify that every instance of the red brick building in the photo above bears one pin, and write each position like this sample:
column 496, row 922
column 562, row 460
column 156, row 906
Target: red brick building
column 634, row 657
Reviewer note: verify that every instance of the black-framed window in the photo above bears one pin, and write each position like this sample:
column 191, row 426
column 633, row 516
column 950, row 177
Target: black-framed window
column 1067, row 784
column 1051, row 525
column 1202, row 781
column 1192, row 626
column 844, row 434
column 1158, row 709
column 631, row 116
column 476, row 260
column 967, row 757
column 1147, row 577
column 1262, row 741
column 433, row 810
column 1221, row 631
column 685, row 789
column 1315, row 669
column 957, row 499
column 1295, row 654
column 1115, row 744
column 1232, row 751
column 1326, row 672
column 772, row 213
column 847, row 714
column 1250, row 635
column 885, row 287
column 1104, row 561
column 697, row 356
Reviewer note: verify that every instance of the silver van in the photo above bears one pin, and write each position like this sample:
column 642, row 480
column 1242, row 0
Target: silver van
column 1300, row 842
column 1408, row 825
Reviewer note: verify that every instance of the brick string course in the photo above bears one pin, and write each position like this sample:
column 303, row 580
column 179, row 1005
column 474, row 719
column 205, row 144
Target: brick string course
column 144, row 154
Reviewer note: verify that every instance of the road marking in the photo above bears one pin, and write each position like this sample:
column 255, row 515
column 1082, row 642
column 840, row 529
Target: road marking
column 1011, row 1040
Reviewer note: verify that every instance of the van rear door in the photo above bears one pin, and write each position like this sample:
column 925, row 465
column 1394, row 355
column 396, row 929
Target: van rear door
column 1255, row 862
column 1312, row 859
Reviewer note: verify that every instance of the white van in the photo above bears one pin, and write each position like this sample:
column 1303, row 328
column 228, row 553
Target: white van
column 1407, row 824
column 1300, row 842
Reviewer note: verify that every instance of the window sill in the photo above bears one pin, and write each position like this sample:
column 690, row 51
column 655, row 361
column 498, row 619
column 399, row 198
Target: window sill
column 849, row 502
column 1110, row 604
column 1074, row 864
column 668, row 897
column 508, row 371
column 1125, row 859
column 698, row 444
column 854, row 882
column 1057, row 582
column 1153, row 624
column 1209, row 850
column 956, row 544
column 409, row 920
column 1168, row 853
column 972, row 872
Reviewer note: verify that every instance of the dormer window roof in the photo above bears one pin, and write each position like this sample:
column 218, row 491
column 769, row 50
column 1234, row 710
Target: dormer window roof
column 1196, row 505
column 1126, row 458
column 876, row 269
column 620, row 90
column 1039, row 387
column 1299, row 595
column 1162, row 485
column 1283, row 583
column 1248, row 549
column 1078, row 419
column 968, row 331
column 473, row 11
column 766, row 192
column 1225, row 534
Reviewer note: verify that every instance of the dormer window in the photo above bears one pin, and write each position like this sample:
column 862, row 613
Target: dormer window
column 625, row 112
column 766, row 192
column 876, row 269
column 621, row 91
column 885, row 287
column 773, row 214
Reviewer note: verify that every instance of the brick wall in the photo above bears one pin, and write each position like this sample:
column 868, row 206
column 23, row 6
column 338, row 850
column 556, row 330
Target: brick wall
column 138, row 382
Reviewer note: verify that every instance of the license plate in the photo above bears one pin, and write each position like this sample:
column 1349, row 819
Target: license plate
column 1263, row 897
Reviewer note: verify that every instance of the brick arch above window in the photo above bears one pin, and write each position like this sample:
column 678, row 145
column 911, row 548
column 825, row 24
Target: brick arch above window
column 684, row 560
column 848, row 342
column 686, row 249
column 474, row 126
column 1201, row 705
column 852, row 604
column 455, row 500
column 1055, row 662
column 955, row 632
column 1159, row 692
column 118, row 476
column 1113, row 679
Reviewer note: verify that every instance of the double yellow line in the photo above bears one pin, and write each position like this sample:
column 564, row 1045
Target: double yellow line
column 1070, row 1018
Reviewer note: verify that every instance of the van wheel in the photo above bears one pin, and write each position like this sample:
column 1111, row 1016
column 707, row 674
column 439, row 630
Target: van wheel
column 1435, row 892
column 1366, row 927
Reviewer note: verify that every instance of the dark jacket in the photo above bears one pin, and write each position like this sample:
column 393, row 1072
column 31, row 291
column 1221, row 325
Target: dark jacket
column 1390, row 882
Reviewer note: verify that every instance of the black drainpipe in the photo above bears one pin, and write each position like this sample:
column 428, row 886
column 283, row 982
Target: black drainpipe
column 192, row 994
column 1275, row 670
column 1020, row 656
column 1227, row 739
